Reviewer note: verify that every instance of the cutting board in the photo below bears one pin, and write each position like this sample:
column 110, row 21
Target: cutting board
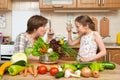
column 95, row 22
column 104, row 27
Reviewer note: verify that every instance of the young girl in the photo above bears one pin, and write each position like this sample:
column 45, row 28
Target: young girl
column 89, row 40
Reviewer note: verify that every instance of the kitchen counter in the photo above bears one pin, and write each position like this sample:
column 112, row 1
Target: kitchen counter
column 105, row 75
column 107, row 45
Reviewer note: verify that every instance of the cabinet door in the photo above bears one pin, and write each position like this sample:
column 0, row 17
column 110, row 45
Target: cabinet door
column 5, row 5
column 114, row 55
column 110, row 4
column 59, row 4
column 88, row 4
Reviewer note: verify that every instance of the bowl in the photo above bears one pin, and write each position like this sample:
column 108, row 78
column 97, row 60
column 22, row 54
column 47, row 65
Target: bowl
column 46, row 60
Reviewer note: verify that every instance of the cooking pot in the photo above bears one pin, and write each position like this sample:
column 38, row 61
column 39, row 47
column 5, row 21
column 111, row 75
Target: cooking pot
column 118, row 38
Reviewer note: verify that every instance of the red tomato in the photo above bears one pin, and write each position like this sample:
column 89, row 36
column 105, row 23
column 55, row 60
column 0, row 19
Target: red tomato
column 53, row 71
column 42, row 69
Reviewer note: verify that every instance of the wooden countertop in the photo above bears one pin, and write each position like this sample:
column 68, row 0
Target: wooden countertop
column 105, row 75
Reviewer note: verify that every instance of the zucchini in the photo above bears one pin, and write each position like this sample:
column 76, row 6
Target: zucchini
column 1, row 64
column 21, row 63
column 59, row 74
column 108, row 65
column 18, row 57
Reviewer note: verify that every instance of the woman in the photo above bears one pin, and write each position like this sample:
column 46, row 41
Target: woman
column 36, row 27
column 89, row 39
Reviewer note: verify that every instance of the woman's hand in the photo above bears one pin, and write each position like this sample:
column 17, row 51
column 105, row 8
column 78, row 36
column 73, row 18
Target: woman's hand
column 50, row 35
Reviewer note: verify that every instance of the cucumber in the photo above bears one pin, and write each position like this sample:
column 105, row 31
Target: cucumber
column 59, row 74
column 108, row 65
column 81, row 65
column 21, row 63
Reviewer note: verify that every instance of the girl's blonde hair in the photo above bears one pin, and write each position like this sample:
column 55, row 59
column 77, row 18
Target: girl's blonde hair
column 86, row 20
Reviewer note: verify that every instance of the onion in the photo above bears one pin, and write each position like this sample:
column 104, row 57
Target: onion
column 50, row 50
column 86, row 72
column 95, row 74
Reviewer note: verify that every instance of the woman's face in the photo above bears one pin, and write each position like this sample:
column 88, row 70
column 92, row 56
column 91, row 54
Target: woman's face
column 80, row 27
column 41, row 31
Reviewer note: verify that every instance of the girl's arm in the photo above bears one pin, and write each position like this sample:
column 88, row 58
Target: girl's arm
column 70, row 40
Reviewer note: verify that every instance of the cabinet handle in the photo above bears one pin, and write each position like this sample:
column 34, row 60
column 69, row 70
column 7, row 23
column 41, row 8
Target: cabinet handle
column 103, row 2
column 109, row 56
column 98, row 2
column 57, row 6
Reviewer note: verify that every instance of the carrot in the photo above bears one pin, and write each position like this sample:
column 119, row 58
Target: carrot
column 25, row 71
column 30, row 69
column 20, row 72
column 35, row 71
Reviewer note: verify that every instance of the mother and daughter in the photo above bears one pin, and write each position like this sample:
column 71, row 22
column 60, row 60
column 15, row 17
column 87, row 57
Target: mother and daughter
column 90, row 40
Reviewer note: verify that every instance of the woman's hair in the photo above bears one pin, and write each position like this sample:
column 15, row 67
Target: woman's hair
column 86, row 20
column 35, row 22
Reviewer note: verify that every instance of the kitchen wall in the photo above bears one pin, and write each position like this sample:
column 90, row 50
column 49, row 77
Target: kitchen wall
column 59, row 20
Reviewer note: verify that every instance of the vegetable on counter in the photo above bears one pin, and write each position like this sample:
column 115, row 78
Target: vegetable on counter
column 95, row 66
column 59, row 74
column 54, row 71
column 18, row 57
column 69, row 66
column 42, row 69
column 70, row 73
column 3, row 67
column 86, row 72
column 108, row 65
column 35, row 71
column 25, row 72
column 80, row 65
column 15, row 69
column 21, row 63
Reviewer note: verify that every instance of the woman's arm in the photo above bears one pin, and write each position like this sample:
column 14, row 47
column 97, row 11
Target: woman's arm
column 50, row 35
column 20, row 43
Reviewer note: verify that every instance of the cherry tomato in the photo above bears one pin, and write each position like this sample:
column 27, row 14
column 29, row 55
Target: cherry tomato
column 53, row 70
column 42, row 69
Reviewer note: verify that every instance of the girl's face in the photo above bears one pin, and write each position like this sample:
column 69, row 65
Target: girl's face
column 41, row 31
column 80, row 27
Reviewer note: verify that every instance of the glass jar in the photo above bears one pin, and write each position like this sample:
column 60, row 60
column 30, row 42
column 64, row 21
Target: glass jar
column 1, row 38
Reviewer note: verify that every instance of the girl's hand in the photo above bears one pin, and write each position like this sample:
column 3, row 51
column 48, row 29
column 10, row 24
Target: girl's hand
column 69, row 28
column 84, row 59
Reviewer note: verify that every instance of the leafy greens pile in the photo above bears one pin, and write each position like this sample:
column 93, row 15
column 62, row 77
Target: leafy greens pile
column 59, row 48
